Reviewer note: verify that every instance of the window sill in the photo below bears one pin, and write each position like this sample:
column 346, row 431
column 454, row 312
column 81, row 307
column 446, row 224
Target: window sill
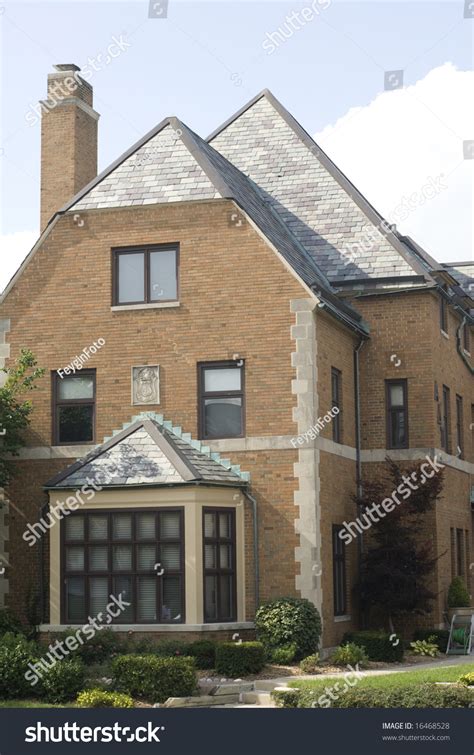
column 443, row 333
column 158, row 627
column 157, row 305
column 467, row 353
column 339, row 619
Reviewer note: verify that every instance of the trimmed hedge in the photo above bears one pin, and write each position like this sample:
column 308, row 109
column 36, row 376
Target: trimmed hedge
column 97, row 698
column 377, row 645
column 289, row 620
column 416, row 696
column 62, row 682
column 442, row 637
column 235, row 660
column 204, row 653
column 154, row 678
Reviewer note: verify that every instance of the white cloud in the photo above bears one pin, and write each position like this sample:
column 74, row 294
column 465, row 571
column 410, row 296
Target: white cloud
column 393, row 146
column 13, row 249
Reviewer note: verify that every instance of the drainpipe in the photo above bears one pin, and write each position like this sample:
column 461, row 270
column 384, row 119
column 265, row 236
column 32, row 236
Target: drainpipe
column 360, row 543
column 43, row 511
column 253, row 502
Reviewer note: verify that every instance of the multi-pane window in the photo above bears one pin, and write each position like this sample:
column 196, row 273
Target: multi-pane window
column 397, row 413
column 221, row 400
column 137, row 555
column 145, row 276
column 460, row 560
column 466, row 337
column 443, row 314
column 339, row 572
column 219, row 565
column 74, row 408
column 446, row 421
column 336, row 401
column 459, row 427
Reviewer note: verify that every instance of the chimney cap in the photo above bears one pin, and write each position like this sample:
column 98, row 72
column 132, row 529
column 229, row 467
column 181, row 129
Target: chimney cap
column 66, row 67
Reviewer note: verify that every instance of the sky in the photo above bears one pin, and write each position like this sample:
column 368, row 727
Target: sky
column 386, row 89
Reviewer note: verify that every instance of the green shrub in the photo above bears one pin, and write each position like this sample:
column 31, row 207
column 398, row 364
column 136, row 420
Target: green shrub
column 235, row 660
column 15, row 655
column 204, row 653
column 309, row 665
column 97, row 698
column 415, row 696
column 154, row 678
column 161, row 648
column 286, row 698
column 289, row 620
column 377, row 645
column 425, row 647
column 441, row 637
column 467, row 679
column 9, row 622
column 63, row 681
column 458, row 594
column 349, row 654
column 102, row 646
column 284, row 655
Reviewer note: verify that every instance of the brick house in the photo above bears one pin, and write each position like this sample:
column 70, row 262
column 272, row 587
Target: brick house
column 233, row 338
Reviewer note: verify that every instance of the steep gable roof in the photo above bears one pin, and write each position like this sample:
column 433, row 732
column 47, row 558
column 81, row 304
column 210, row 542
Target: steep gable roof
column 321, row 207
column 149, row 451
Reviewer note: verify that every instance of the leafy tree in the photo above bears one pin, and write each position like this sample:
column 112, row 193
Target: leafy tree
column 15, row 409
column 399, row 558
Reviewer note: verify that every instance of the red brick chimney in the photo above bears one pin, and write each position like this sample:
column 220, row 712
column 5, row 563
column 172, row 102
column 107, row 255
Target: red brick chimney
column 68, row 139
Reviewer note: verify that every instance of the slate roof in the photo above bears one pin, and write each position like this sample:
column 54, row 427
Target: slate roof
column 463, row 272
column 149, row 451
column 327, row 214
column 173, row 164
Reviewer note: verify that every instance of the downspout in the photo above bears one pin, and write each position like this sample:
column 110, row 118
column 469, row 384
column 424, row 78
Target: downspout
column 43, row 512
column 253, row 502
column 360, row 543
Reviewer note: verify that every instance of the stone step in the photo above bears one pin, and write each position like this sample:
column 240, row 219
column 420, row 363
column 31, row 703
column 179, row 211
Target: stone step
column 262, row 699
column 201, row 701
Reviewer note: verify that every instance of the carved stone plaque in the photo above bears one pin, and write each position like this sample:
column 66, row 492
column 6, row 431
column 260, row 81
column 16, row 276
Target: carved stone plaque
column 146, row 385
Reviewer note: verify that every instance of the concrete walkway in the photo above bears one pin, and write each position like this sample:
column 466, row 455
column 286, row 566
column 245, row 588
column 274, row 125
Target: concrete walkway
column 450, row 660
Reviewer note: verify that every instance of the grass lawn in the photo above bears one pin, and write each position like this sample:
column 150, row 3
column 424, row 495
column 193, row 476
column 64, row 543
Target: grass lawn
column 392, row 681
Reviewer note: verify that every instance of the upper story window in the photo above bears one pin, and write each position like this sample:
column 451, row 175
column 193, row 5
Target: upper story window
column 446, row 421
column 443, row 314
column 466, row 337
column 145, row 275
column 336, row 401
column 459, row 427
column 397, row 413
column 221, row 400
column 74, row 408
